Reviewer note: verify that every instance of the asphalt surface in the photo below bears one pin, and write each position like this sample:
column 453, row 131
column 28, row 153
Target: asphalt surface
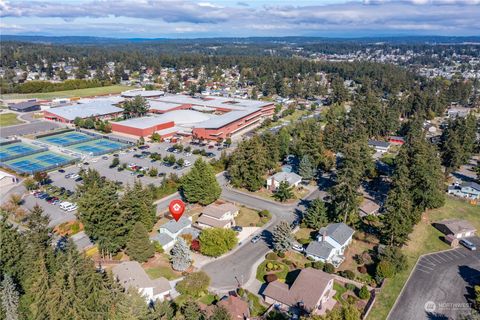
column 440, row 285
column 57, row 216
column 235, row 269
column 28, row 128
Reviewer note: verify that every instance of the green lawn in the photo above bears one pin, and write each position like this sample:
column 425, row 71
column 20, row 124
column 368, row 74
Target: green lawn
column 8, row 119
column 68, row 93
column 281, row 273
column 207, row 299
column 424, row 239
column 161, row 271
column 249, row 218
column 257, row 307
column 340, row 290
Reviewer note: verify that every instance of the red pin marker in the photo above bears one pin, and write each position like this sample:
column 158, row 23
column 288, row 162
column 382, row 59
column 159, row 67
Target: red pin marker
column 176, row 207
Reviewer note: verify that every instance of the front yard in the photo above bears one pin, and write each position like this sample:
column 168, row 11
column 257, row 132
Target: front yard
column 250, row 218
column 424, row 239
column 272, row 267
column 159, row 266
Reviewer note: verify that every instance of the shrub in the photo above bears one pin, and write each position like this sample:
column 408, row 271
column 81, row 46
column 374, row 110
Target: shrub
column 241, row 292
column 329, row 268
column 318, row 265
column 270, row 278
column 350, row 286
column 287, row 262
column 269, row 266
column 362, row 269
column 349, row 274
column 195, row 246
column 194, row 284
column 271, row 256
column 281, row 254
column 359, row 259
column 303, row 241
column 264, row 214
column 364, row 294
column 158, row 247
column 385, row 269
column 308, row 265
column 217, row 241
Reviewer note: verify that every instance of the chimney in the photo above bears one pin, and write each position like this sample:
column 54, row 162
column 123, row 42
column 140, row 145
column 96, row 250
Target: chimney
column 324, row 235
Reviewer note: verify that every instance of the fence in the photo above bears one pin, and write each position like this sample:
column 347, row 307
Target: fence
column 130, row 143
column 23, row 154
column 53, row 133
column 43, row 169
column 7, row 142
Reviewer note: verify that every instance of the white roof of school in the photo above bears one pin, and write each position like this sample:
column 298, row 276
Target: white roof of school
column 180, row 117
column 161, row 105
column 142, row 93
column 85, row 110
column 215, row 102
column 224, row 119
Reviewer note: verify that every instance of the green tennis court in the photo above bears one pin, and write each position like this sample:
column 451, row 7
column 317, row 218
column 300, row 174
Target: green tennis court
column 37, row 162
column 18, row 149
column 67, row 138
column 98, row 147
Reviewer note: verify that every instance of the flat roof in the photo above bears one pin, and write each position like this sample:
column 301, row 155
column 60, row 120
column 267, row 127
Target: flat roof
column 85, row 110
column 162, row 105
column 142, row 93
column 224, row 119
column 215, row 102
column 179, row 117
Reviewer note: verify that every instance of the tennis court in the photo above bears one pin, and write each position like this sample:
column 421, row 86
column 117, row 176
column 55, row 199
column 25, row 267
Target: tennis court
column 67, row 138
column 42, row 161
column 18, row 149
column 98, row 147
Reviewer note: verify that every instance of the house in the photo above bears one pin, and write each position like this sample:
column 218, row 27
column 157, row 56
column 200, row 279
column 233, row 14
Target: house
column 311, row 291
column 6, row 180
column 331, row 243
column 130, row 274
column 236, row 307
column 396, row 140
column 368, row 207
column 170, row 231
column 26, row 106
column 291, row 178
column 468, row 190
column 379, row 146
column 218, row 216
column 456, row 228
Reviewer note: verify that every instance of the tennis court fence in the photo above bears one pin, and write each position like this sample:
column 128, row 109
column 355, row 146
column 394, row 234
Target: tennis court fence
column 42, row 169
column 23, row 154
column 7, row 142
column 53, row 133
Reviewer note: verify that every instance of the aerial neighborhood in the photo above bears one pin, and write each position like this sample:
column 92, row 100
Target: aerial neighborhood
column 222, row 178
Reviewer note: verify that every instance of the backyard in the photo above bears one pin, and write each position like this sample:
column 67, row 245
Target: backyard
column 159, row 266
column 424, row 239
column 88, row 92
column 9, row 119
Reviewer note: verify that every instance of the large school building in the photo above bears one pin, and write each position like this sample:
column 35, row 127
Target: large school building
column 205, row 117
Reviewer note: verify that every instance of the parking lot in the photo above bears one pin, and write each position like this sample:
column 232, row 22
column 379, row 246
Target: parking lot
column 439, row 285
column 57, row 216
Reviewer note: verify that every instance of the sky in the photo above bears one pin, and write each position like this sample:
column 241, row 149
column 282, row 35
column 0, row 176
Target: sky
column 241, row 18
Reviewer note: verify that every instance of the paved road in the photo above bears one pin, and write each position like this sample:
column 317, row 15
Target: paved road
column 439, row 285
column 234, row 269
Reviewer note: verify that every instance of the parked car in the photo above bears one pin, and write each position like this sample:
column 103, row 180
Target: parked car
column 255, row 239
column 468, row 244
column 237, row 228
column 115, row 155
column 140, row 176
column 105, row 158
column 298, row 247
column 210, row 154
column 187, row 163
column 74, row 176
column 79, row 179
column 61, row 170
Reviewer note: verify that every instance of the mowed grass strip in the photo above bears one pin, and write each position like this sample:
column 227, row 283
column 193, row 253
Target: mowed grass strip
column 87, row 92
column 9, row 119
column 424, row 239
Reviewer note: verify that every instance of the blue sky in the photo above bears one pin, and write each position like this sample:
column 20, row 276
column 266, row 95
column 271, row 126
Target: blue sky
column 229, row 18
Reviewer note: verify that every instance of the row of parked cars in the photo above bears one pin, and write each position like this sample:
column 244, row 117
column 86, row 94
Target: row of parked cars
column 64, row 205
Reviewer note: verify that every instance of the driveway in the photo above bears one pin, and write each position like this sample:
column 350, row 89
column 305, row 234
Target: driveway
column 236, row 269
column 439, row 286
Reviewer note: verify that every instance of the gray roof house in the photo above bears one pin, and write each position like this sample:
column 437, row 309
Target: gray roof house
column 26, row 106
column 291, row 178
column 168, row 232
column 130, row 274
column 331, row 243
column 456, row 227
column 379, row 146
column 469, row 190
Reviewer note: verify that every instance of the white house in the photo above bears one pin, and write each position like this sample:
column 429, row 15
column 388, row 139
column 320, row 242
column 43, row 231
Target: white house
column 218, row 216
column 291, row 178
column 170, row 231
column 6, row 180
column 468, row 190
column 331, row 243
column 379, row 146
column 130, row 274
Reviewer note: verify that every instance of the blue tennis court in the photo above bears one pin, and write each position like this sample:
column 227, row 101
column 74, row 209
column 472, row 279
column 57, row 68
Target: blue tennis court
column 42, row 161
column 98, row 147
column 67, row 138
column 16, row 150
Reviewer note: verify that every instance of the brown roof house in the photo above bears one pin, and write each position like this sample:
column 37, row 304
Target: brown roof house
column 456, row 228
column 312, row 291
column 130, row 274
column 236, row 307
column 218, row 216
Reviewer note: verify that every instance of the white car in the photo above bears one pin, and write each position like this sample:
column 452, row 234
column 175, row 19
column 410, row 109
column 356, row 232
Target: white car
column 187, row 154
column 72, row 208
column 187, row 163
column 64, row 205
column 74, row 176
column 298, row 247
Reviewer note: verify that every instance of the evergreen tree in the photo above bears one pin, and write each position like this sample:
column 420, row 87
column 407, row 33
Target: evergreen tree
column 9, row 298
column 316, row 216
column 282, row 237
column 200, row 184
column 248, row 165
column 137, row 205
column 139, row 247
column 306, row 168
column 283, row 192
column 220, row 313
column 36, row 286
column 191, row 311
column 162, row 311
column 180, row 253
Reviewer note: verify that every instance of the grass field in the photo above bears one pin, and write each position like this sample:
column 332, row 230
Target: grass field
column 68, row 93
column 9, row 119
column 161, row 271
column 424, row 239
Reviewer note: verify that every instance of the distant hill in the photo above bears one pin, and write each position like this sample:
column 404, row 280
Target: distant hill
column 292, row 40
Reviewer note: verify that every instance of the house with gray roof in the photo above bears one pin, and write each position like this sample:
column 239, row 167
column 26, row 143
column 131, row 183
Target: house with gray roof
column 331, row 243
column 468, row 190
column 379, row 146
column 291, row 178
column 130, row 274
column 170, row 231
column 26, row 106
column 218, row 216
